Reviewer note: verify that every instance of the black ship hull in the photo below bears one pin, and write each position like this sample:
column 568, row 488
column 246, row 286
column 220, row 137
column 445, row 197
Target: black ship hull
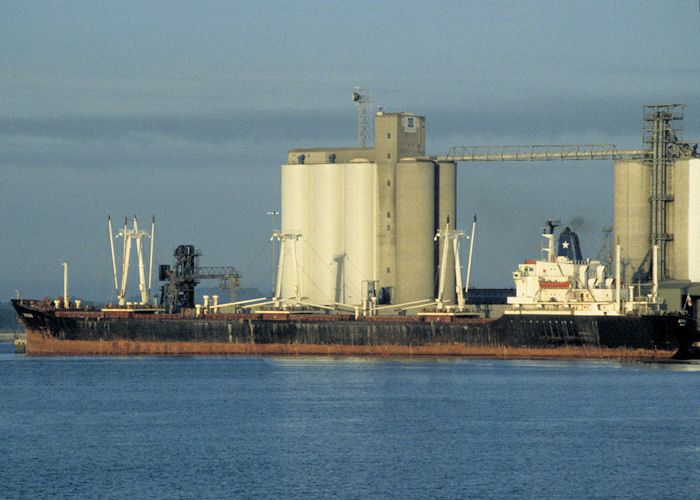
column 51, row 331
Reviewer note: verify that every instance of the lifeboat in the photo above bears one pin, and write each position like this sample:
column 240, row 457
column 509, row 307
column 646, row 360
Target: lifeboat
column 549, row 285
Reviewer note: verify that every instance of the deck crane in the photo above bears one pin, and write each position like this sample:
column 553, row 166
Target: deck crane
column 178, row 291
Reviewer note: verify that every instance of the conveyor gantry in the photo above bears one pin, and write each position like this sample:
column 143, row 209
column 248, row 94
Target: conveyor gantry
column 662, row 140
column 540, row 153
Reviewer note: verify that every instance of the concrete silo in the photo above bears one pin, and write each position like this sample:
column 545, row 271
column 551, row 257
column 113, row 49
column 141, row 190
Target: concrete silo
column 415, row 230
column 297, row 203
column 327, row 233
column 684, row 216
column 359, row 213
column 447, row 209
column 632, row 217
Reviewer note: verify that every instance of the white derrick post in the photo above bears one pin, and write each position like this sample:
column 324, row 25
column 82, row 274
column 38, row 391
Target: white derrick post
column 65, row 285
column 150, row 267
column 280, row 267
column 139, row 253
column 126, row 251
column 458, row 275
column 297, row 289
column 283, row 237
column 471, row 250
column 125, row 271
column 111, row 244
column 443, row 238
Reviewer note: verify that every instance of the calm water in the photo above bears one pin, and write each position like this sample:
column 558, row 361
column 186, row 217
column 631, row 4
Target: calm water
column 346, row 428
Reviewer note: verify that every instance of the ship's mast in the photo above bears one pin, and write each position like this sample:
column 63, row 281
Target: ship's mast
column 548, row 235
column 128, row 235
column 446, row 236
column 150, row 266
column 284, row 237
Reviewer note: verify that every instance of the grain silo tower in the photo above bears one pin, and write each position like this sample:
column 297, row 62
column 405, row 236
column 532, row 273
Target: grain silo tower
column 657, row 202
column 365, row 218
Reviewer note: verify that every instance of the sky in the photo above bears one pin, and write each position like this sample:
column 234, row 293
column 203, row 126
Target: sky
column 186, row 110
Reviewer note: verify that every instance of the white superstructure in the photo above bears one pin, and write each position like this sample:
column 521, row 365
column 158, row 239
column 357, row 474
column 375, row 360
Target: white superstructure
column 564, row 283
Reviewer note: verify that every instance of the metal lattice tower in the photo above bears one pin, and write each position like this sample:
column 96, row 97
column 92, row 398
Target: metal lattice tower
column 662, row 131
column 364, row 124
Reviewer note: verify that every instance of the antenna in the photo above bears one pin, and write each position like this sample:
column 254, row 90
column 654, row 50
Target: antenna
column 551, row 224
column 364, row 127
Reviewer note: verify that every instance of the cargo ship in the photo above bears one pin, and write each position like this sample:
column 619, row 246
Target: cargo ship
column 564, row 307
